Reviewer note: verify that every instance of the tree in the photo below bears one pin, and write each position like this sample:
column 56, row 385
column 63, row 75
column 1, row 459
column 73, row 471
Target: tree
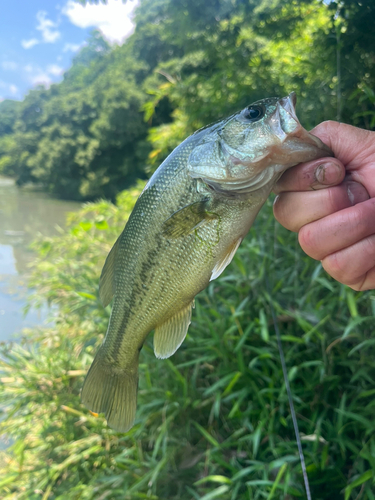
column 120, row 110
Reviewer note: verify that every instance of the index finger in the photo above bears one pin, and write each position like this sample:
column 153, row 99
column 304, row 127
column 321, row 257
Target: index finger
column 351, row 145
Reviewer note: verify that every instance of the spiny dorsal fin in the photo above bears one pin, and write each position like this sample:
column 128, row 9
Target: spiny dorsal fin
column 223, row 263
column 107, row 278
column 187, row 219
column 169, row 335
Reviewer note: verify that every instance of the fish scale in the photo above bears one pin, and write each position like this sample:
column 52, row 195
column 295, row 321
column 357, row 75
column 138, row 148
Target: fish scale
column 183, row 232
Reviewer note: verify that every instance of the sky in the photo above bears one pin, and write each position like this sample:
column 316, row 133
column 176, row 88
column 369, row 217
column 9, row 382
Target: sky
column 39, row 38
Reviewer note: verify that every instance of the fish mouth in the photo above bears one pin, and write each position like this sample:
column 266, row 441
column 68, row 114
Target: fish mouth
column 288, row 129
column 268, row 148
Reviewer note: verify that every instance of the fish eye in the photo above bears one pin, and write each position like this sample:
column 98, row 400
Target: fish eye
column 253, row 113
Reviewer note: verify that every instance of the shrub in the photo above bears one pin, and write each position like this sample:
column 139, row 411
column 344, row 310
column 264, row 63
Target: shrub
column 213, row 421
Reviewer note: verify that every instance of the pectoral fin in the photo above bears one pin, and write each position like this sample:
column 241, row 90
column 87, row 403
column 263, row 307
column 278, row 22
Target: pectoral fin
column 187, row 219
column 169, row 335
column 226, row 260
column 107, row 278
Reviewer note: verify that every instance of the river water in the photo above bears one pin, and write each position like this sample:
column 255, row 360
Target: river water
column 23, row 214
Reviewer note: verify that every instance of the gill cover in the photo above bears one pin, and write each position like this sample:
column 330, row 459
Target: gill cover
column 252, row 148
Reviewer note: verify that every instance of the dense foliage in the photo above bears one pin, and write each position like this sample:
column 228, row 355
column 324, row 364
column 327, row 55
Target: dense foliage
column 213, row 421
column 119, row 111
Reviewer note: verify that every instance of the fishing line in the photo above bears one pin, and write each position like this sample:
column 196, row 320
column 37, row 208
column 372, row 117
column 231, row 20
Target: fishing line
column 285, row 372
column 289, row 392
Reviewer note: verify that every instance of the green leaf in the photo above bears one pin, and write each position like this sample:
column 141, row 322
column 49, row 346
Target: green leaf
column 366, row 476
column 351, row 303
column 232, row 383
column 9, row 480
column 208, row 436
column 215, row 493
column 277, row 480
column 87, row 295
column 86, row 226
column 264, row 333
column 102, row 225
column 215, row 479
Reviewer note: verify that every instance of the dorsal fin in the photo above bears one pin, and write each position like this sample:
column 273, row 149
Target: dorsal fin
column 107, row 278
column 169, row 335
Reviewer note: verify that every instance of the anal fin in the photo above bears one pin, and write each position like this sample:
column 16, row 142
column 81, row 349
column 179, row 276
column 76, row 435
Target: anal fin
column 169, row 335
column 224, row 262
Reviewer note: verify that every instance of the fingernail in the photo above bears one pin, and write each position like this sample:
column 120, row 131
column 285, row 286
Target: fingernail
column 356, row 192
column 328, row 173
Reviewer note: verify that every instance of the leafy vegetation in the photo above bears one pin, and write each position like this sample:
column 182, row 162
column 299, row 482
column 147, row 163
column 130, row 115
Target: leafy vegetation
column 119, row 111
column 213, row 421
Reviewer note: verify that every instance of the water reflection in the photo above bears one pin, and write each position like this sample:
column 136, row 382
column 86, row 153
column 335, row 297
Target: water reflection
column 23, row 214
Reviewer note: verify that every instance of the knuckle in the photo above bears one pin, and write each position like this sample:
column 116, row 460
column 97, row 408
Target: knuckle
column 357, row 216
column 369, row 249
column 357, row 286
column 336, row 266
column 351, row 265
column 308, row 240
column 327, row 126
column 363, row 214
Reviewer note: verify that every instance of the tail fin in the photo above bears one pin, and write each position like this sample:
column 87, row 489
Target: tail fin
column 108, row 389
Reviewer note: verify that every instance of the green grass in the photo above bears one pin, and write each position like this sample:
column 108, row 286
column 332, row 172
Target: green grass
column 213, row 421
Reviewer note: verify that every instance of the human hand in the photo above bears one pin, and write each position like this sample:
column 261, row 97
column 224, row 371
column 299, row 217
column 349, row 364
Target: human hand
column 335, row 225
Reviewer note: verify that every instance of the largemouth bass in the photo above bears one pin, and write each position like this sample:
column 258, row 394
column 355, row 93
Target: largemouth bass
column 184, row 230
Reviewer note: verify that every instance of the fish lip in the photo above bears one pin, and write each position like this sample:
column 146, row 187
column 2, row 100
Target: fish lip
column 284, row 121
column 276, row 124
column 293, row 98
column 285, row 115
column 287, row 106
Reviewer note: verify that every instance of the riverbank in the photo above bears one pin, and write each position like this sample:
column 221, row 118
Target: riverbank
column 24, row 214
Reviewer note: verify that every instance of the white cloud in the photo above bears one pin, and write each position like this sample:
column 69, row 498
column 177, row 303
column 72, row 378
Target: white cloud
column 73, row 47
column 27, row 44
column 55, row 69
column 40, row 78
column 47, row 28
column 9, row 65
column 7, row 90
column 112, row 19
